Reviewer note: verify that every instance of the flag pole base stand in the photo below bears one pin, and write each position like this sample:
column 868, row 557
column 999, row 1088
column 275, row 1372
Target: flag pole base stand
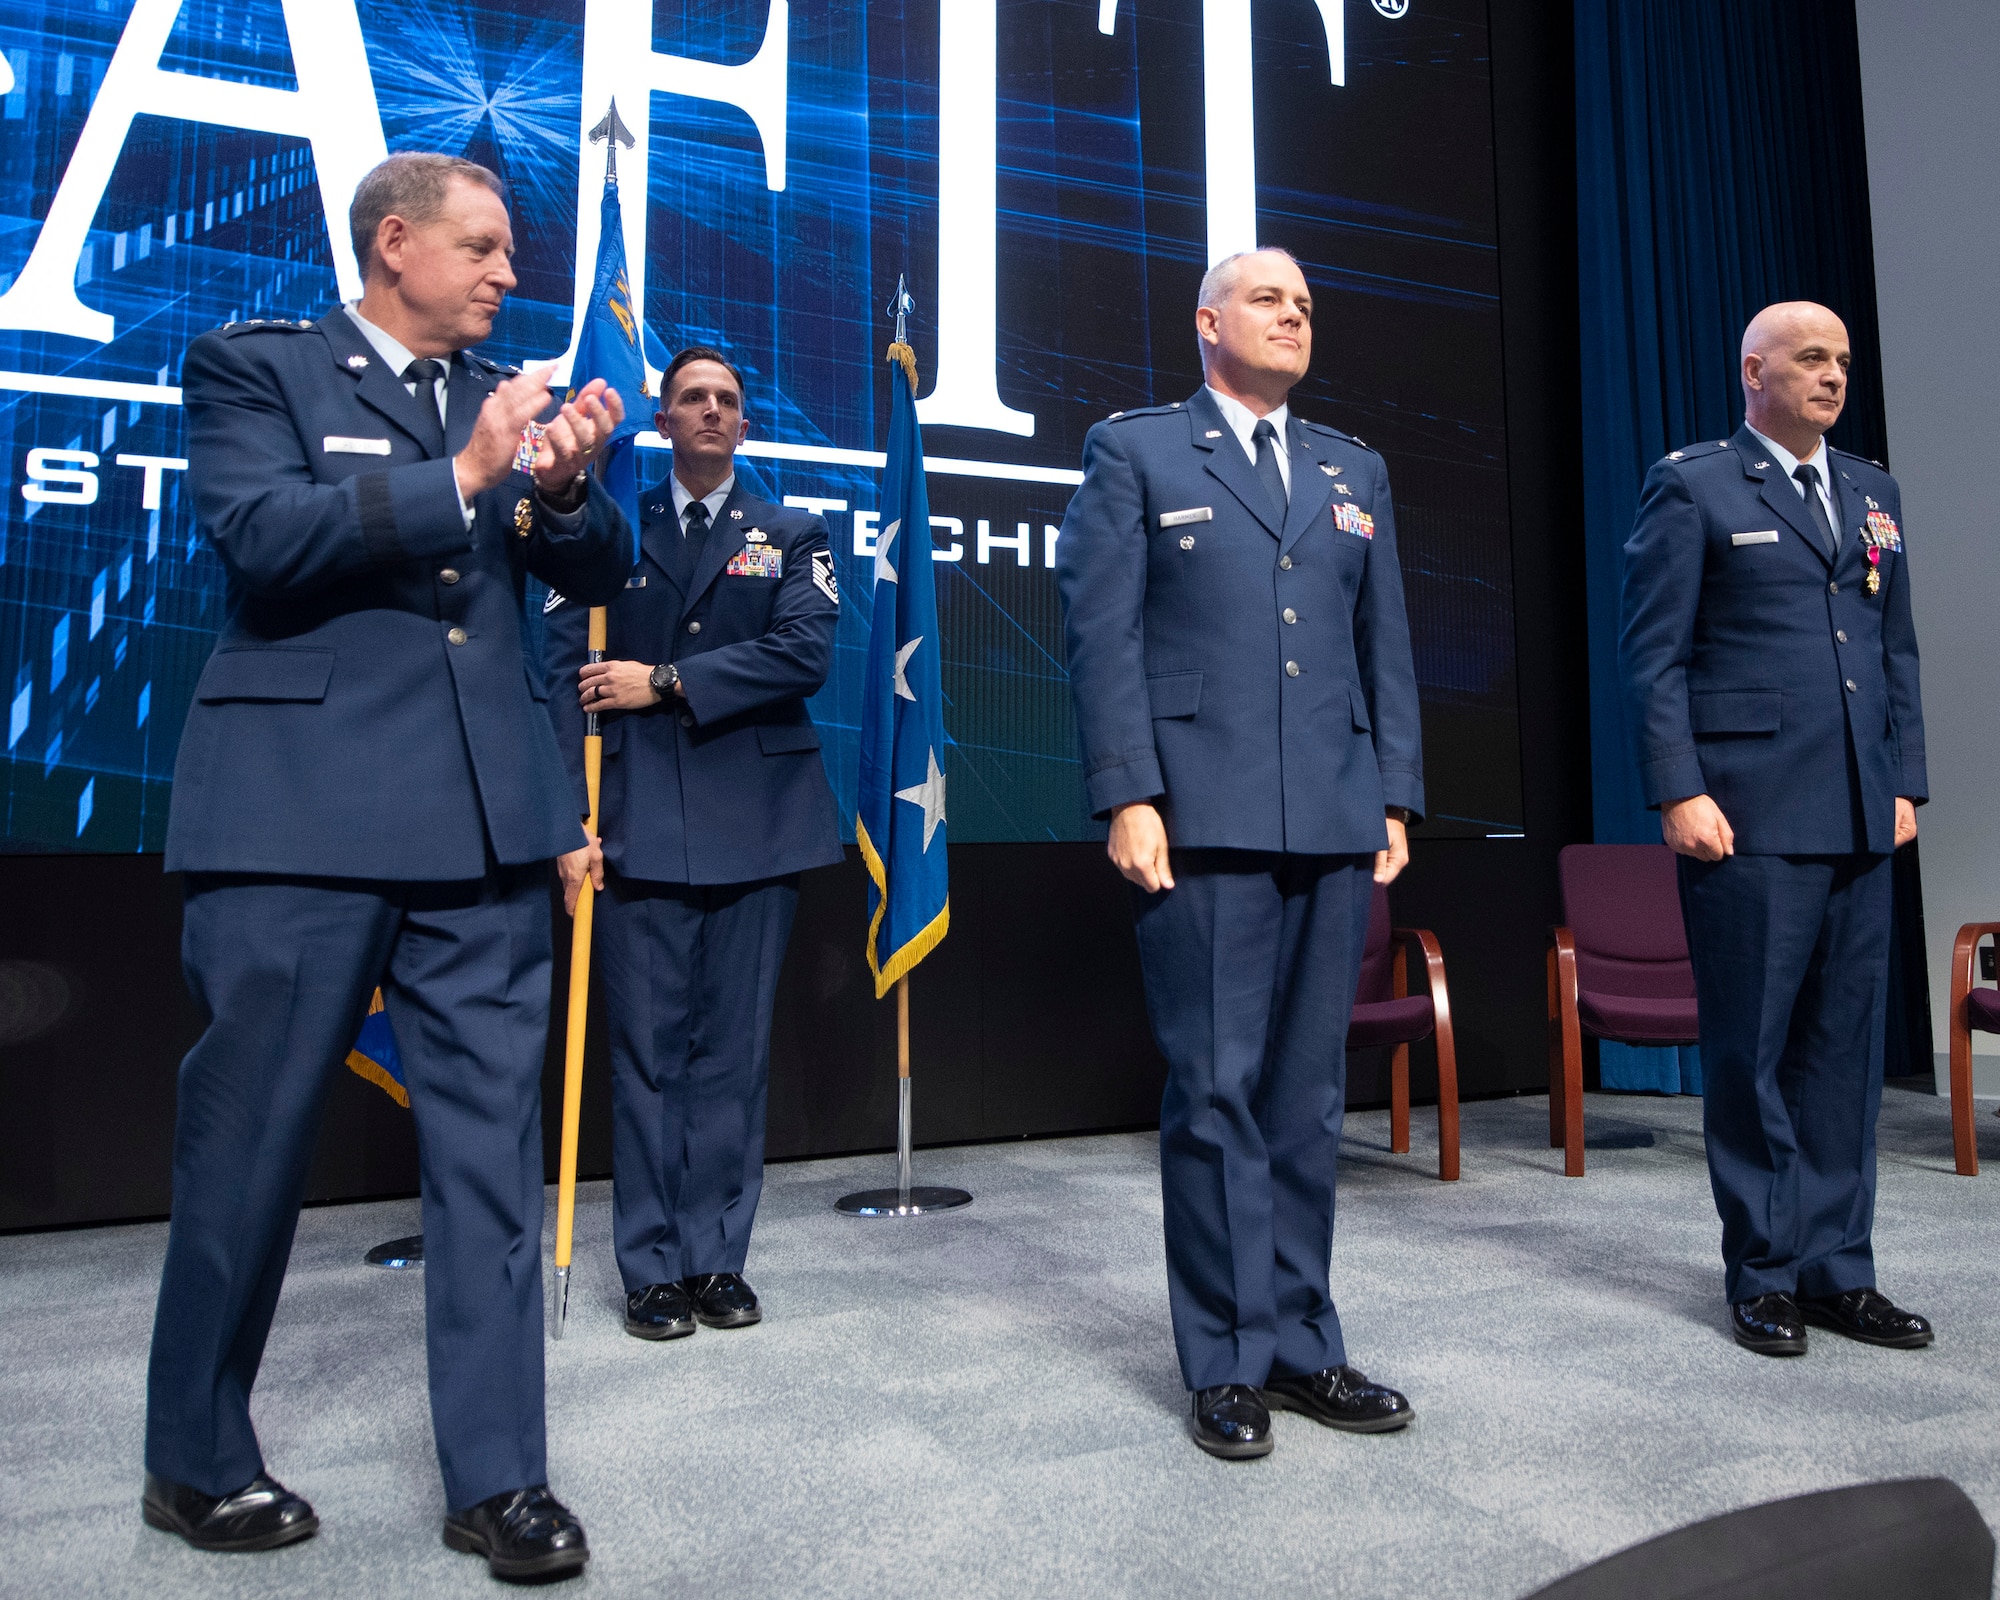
column 915, row 1202
column 562, row 1301
column 397, row 1253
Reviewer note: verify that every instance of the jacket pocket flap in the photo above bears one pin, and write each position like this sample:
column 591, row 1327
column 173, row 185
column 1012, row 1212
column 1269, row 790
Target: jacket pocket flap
column 1174, row 694
column 784, row 738
column 1737, row 711
column 266, row 675
column 1358, row 703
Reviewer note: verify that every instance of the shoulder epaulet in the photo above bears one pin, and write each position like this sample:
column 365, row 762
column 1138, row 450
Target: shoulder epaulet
column 230, row 330
column 1335, row 433
column 491, row 365
column 1695, row 452
column 1854, row 456
column 1145, row 411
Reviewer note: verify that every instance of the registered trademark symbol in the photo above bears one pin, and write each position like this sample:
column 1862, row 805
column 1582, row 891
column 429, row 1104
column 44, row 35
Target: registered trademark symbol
column 1393, row 8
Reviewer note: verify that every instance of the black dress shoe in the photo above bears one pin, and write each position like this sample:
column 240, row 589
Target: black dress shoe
column 1340, row 1397
column 1231, row 1421
column 1770, row 1324
column 722, row 1300
column 659, row 1311
column 526, row 1535
column 262, row 1515
column 1869, row 1316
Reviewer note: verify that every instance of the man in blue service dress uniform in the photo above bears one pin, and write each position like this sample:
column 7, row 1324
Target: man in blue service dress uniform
column 1771, row 669
column 367, row 794
column 1248, row 711
column 713, row 801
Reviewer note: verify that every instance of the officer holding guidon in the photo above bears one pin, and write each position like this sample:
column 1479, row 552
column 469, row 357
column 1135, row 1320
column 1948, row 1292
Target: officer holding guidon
column 1770, row 667
column 713, row 800
column 1247, row 704
column 367, row 794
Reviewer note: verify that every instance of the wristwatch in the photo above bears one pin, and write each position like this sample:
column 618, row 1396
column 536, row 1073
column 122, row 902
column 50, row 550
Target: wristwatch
column 665, row 679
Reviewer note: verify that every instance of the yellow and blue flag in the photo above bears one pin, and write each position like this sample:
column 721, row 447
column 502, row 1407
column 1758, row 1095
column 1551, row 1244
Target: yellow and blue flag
column 609, row 347
column 375, row 1056
column 900, row 822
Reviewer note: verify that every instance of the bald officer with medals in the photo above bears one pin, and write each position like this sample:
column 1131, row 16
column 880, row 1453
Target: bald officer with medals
column 714, row 800
column 1770, row 670
column 1247, row 705
column 367, row 794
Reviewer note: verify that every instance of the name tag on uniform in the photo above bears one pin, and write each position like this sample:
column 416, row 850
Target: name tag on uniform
column 1762, row 536
column 336, row 445
column 636, row 583
column 759, row 561
column 1177, row 519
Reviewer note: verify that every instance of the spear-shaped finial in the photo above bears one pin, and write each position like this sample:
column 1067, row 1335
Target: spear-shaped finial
column 900, row 352
column 612, row 132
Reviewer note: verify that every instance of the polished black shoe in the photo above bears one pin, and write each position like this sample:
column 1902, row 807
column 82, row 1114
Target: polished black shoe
column 526, row 1535
column 262, row 1515
column 722, row 1300
column 1867, row 1315
column 1770, row 1324
column 1231, row 1421
column 1339, row 1397
column 659, row 1311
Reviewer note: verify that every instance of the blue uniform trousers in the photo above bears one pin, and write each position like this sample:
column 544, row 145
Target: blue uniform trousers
column 1250, row 963
column 282, row 969
column 1791, row 971
column 690, row 974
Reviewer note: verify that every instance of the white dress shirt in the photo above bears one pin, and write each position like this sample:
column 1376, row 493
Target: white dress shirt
column 1243, row 423
column 398, row 358
column 1818, row 461
column 683, row 498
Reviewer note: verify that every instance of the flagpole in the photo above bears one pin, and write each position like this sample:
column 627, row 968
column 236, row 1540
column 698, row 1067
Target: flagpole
column 579, row 1004
column 903, row 1091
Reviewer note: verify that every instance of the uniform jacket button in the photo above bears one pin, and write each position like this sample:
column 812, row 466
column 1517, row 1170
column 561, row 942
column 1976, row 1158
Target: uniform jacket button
column 1841, row 635
column 687, row 719
column 1833, row 588
column 1291, row 615
column 1291, row 669
column 449, row 575
column 1851, row 689
column 1285, row 563
column 694, row 627
column 456, row 636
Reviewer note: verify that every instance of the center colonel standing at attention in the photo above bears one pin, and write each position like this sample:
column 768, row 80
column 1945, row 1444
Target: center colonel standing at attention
column 1248, row 710
column 367, row 794
column 714, row 801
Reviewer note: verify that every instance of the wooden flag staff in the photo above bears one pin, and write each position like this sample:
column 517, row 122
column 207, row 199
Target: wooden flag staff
column 579, row 1002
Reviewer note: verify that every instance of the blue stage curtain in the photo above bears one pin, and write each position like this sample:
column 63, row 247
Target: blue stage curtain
column 1720, row 167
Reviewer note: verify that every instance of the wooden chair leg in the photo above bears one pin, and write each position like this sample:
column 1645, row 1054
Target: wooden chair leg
column 1447, row 1059
column 1572, row 1095
column 1399, row 1100
column 1441, row 1036
column 1555, row 1058
column 1566, row 1042
column 1964, row 1135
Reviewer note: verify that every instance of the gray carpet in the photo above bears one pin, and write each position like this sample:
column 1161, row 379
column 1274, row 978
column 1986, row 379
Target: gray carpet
column 986, row 1403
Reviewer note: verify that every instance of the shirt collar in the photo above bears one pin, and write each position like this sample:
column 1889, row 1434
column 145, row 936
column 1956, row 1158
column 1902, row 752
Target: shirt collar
column 1243, row 421
column 387, row 346
column 1792, row 463
column 715, row 502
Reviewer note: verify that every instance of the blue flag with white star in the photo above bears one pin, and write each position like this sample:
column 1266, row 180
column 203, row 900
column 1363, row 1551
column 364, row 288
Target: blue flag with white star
column 899, row 821
column 608, row 347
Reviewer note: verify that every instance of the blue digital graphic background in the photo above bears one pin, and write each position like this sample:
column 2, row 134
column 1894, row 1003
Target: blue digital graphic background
column 1383, row 188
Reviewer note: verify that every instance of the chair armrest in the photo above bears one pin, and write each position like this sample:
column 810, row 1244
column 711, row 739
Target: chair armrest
column 1562, row 956
column 1426, row 941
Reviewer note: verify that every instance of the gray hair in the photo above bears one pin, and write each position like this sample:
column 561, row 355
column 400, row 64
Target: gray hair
column 411, row 184
column 1219, row 282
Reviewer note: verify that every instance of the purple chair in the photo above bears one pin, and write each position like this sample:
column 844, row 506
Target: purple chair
column 1386, row 1013
column 1971, row 1008
column 1618, row 970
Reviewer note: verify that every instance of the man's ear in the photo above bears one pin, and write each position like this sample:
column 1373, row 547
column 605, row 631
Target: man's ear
column 1753, row 368
column 1206, row 322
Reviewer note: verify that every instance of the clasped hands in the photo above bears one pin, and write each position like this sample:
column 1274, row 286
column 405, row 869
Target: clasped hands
column 1696, row 827
column 1138, row 848
column 574, row 437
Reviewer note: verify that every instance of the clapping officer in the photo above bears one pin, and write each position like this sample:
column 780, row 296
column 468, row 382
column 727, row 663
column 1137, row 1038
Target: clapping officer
column 713, row 801
column 1247, row 704
column 1770, row 667
column 367, row 793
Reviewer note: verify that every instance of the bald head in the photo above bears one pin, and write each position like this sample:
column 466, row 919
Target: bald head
column 1795, row 361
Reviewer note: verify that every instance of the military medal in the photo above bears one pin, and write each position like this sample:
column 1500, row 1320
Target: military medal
column 1881, row 533
column 524, row 517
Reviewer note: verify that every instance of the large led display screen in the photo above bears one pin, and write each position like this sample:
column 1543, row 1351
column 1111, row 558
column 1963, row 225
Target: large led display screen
column 1052, row 176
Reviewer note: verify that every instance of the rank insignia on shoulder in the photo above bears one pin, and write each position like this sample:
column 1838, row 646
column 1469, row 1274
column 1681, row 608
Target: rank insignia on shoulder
column 1350, row 518
column 524, row 517
column 358, row 363
column 551, row 603
column 756, row 536
column 529, row 448
column 823, row 575
column 1676, row 455
column 1114, row 416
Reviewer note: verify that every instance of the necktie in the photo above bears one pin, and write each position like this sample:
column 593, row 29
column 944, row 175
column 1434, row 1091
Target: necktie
column 694, row 535
column 1808, row 477
column 426, row 375
column 1273, row 480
